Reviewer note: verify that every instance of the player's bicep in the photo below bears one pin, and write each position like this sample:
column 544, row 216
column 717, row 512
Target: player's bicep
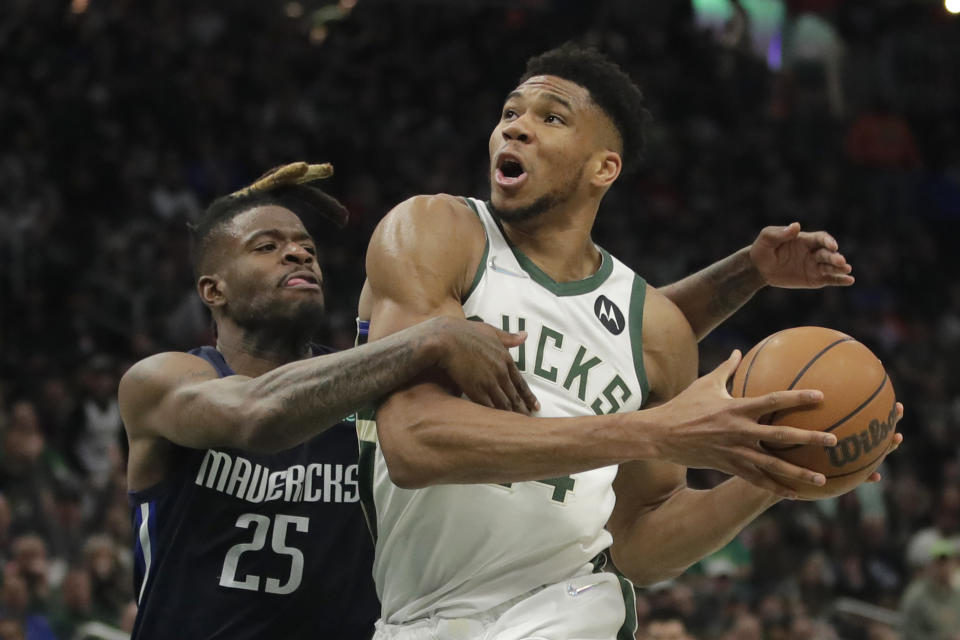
column 671, row 360
column 180, row 398
column 670, row 351
column 418, row 263
column 642, row 486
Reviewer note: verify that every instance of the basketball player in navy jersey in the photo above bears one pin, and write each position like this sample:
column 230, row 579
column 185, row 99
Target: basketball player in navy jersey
column 242, row 470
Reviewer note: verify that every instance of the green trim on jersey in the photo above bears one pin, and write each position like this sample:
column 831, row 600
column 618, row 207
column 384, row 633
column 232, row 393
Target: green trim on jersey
column 637, row 297
column 367, row 441
column 629, row 628
column 575, row 288
column 483, row 259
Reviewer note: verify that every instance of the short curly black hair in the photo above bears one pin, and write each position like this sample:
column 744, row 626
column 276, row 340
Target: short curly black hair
column 305, row 201
column 610, row 88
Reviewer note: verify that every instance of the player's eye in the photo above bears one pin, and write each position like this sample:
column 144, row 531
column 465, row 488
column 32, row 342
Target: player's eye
column 265, row 247
column 553, row 118
column 311, row 250
column 509, row 114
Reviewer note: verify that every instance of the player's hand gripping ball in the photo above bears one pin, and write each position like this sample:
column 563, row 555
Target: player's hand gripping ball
column 859, row 405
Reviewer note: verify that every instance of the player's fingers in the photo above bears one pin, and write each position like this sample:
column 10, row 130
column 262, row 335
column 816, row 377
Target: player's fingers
column 820, row 239
column 895, row 443
column 773, row 237
column 780, row 400
column 726, row 369
column 777, row 467
column 899, row 415
column 828, row 257
column 780, row 435
column 499, row 398
column 833, row 270
column 521, row 386
column 839, row 280
column 756, row 476
column 510, row 390
column 508, row 339
column 481, row 397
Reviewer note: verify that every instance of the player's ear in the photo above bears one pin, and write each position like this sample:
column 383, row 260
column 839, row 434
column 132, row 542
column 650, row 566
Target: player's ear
column 607, row 168
column 212, row 290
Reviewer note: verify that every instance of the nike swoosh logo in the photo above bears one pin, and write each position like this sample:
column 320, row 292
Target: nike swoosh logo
column 573, row 591
column 493, row 267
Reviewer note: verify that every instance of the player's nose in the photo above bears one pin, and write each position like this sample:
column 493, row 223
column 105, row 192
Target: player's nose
column 517, row 129
column 297, row 254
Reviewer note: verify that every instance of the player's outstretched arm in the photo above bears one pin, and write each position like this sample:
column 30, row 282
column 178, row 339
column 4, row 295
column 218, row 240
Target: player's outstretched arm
column 180, row 398
column 780, row 257
column 659, row 525
column 420, row 262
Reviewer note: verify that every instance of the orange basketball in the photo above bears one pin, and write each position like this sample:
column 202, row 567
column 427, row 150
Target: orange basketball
column 859, row 405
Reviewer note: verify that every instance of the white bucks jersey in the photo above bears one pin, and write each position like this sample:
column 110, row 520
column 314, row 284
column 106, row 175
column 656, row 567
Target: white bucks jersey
column 456, row 550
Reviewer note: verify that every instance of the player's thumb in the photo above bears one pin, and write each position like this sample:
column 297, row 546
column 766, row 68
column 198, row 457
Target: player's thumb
column 726, row 369
column 508, row 339
column 783, row 234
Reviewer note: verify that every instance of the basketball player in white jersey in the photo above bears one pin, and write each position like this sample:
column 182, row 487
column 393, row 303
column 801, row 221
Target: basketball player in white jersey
column 493, row 524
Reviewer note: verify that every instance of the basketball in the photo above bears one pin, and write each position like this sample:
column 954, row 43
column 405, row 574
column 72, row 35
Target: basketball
column 859, row 405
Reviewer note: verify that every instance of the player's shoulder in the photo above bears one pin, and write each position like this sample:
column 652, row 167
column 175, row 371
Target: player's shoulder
column 661, row 315
column 149, row 380
column 437, row 213
column 669, row 345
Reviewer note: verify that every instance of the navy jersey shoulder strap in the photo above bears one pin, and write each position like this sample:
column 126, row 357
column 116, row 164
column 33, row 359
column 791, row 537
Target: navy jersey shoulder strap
column 321, row 350
column 214, row 357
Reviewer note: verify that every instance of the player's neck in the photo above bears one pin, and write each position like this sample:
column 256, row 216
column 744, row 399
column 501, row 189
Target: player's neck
column 253, row 355
column 559, row 242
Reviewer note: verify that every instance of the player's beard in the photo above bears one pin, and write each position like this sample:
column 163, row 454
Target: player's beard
column 539, row 206
column 269, row 321
column 521, row 214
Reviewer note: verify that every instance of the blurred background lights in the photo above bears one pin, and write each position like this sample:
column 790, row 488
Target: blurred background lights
column 294, row 9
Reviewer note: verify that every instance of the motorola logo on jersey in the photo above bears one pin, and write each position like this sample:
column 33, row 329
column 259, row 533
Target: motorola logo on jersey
column 609, row 315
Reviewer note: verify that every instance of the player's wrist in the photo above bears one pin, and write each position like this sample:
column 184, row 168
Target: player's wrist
column 641, row 440
column 748, row 263
column 438, row 342
column 751, row 494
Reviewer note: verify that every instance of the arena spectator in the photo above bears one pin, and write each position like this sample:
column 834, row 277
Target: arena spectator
column 931, row 603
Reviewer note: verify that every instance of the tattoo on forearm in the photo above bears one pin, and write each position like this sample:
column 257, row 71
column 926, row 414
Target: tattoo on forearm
column 323, row 390
column 730, row 291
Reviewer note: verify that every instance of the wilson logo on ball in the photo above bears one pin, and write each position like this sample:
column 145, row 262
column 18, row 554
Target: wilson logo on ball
column 849, row 449
column 609, row 315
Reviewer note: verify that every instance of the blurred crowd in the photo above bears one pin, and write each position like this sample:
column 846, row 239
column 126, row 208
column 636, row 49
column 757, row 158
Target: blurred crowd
column 120, row 121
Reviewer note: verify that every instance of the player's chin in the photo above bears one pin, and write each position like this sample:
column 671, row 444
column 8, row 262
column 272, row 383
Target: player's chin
column 309, row 307
column 507, row 203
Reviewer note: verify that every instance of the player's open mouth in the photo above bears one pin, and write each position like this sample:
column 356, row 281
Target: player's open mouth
column 301, row 280
column 510, row 172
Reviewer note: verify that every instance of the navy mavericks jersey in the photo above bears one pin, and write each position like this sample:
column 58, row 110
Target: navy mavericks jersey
column 246, row 546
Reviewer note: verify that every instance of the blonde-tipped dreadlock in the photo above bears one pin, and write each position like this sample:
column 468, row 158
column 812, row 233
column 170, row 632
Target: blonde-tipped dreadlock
column 287, row 186
column 287, row 174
